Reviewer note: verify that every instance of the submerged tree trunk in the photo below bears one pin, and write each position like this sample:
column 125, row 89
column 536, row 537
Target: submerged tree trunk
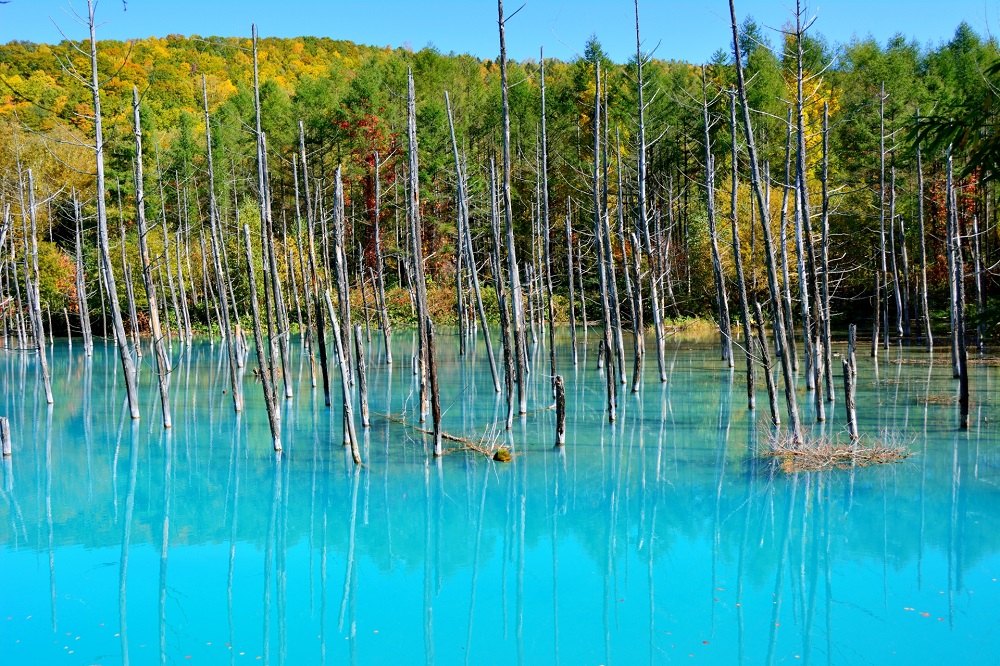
column 416, row 241
column 517, row 305
column 546, row 231
column 765, row 216
column 721, row 299
column 380, row 266
column 350, row 434
column 159, row 353
column 103, row 243
column 34, row 294
column 641, row 205
column 222, row 288
column 569, row 275
column 265, row 362
column 924, row 306
column 608, row 353
column 738, row 259
column 81, row 284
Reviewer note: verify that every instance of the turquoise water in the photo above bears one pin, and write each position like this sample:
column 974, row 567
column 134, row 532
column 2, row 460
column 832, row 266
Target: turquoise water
column 658, row 538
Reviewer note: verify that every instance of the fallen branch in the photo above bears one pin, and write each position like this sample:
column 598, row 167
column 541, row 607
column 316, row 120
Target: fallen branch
column 830, row 453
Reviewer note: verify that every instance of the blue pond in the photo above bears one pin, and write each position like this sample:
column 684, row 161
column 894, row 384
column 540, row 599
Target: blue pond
column 660, row 538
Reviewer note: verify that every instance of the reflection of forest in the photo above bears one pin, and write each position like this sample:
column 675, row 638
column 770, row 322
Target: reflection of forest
column 684, row 459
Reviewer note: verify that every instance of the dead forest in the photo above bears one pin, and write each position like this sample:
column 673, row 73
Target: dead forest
column 801, row 199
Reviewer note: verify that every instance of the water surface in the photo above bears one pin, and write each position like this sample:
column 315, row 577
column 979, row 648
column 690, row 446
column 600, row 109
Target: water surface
column 661, row 537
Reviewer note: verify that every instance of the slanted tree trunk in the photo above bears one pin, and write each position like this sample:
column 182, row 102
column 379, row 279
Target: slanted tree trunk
column 432, row 375
column 765, row 219
column 787, row 313
column 315, row 283
column 350, row 434
column 221, row 288
column 772, row 392
column 506, row 332
column 34, row 294
column 159, row 353
column 606, row 353
column 103, row 243
column 130, row 296
column 738, row 258
column 81, row 284
column 265, row 360
column 722, row 302
column 465, row 239
column 607, row 246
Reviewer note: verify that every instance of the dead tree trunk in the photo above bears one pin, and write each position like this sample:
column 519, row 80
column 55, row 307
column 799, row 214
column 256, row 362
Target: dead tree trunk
column 812, row 321
column 350, row 434
column 641, row 205
column 602, row 268
column 902, row 327
column 517, row 305
column 630, row 293
column 881, row 213
column 307, row 291
column 265, row 360
column 34, row 294
column 359, row 353
column 130, row 296
column 103, row 243
column 159, row 353
column 765, row 217
column 547, row 232
column 380, row 266
column 416, row 241
column 498, row 282
column 738, row 258
column 787, row 314
column 925, row 312
column 218, row 253
column 5, row 442
column 852, row 418
column 722, row 303
column 81, row 284
column 825, row 258
column 569, row 275
column 772, row 392
column 434, row 388
column 560, row 388
column 877, row 307
column 954, row 277
column 315, row 283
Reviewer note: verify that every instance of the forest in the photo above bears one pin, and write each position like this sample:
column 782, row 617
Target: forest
column 629, row 187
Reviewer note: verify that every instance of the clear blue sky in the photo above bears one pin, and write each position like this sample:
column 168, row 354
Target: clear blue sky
column 685, row 29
